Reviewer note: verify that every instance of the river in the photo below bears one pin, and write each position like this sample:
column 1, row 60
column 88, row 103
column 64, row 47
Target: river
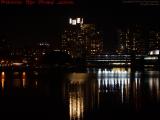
column 95, row 93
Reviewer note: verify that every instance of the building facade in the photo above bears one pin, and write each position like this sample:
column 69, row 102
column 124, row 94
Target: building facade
column 80, row 39
column 132, row 39
column 154, row 40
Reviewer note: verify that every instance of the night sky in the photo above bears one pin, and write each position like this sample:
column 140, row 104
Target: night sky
column 22, row 25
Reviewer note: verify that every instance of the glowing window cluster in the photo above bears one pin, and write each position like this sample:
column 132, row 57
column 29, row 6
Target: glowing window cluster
column 75, row 21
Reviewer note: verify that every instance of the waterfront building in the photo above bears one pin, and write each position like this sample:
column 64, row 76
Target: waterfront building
column 81, row 39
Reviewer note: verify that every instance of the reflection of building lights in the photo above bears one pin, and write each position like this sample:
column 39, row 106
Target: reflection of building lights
column 121, row 72
column 78, row 77
column 151, row 84
column 116, row 78
column 24, row 82
column 24, row 79
column 76, row 107
column 36, row 82
column 2, row 81
column 154, row 85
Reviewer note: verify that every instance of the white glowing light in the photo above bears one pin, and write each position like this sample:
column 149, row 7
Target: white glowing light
column 70, row 20
column 156, row 52
column 151, row 53
column 82, row 21
column 74, row 22
column 78, row 20
column 151, row 58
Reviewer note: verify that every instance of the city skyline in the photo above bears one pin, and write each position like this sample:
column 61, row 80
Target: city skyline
column 25, row 26
column 92, row 60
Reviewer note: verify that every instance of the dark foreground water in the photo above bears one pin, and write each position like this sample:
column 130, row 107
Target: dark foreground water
column 92, row 94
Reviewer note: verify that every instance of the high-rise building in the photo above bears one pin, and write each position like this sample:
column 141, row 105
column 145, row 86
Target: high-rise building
column 132, row 39
column 154, row 40
column 80, row 39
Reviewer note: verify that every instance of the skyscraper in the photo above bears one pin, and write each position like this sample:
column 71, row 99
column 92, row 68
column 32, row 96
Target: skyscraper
column 80, row 39
column 131, row 39
column 154, row 40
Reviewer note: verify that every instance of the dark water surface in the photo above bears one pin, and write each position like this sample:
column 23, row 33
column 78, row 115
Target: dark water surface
column 96, row 93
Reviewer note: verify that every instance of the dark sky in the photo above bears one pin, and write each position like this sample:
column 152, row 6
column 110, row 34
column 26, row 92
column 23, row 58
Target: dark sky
column 27, row 25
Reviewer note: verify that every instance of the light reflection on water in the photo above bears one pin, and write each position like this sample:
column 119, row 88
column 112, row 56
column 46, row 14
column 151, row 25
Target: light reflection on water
column 113, row 80
column 24, row 79
column 2, row 79
column 76, row 95
column 96, row 89
column 81, row 94
column 154, row 84
column 76, row 105
column 16, row 80
column 132, row 88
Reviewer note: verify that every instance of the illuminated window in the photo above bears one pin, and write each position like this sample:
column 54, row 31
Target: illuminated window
column 70, row 20
column 78, row 20
column 74, row 22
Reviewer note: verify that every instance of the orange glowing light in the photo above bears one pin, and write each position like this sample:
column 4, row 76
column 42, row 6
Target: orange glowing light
column 17, row 64
column 2, row 81
column 3, row 75
column 78, row 77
